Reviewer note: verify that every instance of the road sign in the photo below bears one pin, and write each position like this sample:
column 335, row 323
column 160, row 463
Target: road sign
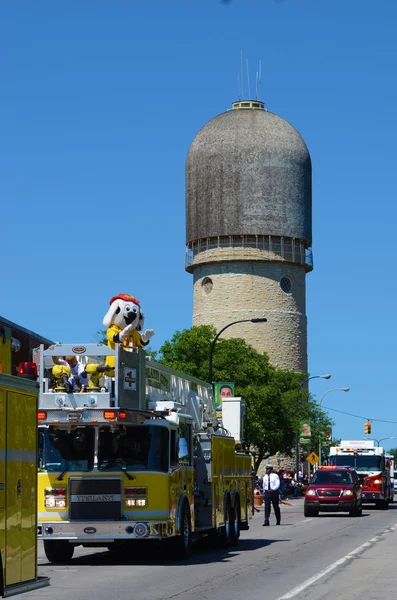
column 312, row 458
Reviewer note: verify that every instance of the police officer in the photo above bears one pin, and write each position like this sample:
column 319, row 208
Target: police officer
column 271, row 490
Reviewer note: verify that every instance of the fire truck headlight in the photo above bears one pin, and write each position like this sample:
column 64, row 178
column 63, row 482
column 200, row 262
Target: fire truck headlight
column 136, row 502
column 55, row 497
column 378, row 481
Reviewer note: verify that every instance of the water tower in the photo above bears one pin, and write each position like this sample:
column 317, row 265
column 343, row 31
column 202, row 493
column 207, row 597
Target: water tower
column 249, row 229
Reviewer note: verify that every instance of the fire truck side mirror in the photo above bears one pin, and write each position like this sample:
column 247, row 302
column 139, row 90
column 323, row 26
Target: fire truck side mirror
column 183, row 452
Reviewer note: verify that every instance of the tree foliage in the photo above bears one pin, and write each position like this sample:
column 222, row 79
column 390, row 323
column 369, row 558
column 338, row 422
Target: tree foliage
column 393, row 452
column 274, row 402
column 100, row 337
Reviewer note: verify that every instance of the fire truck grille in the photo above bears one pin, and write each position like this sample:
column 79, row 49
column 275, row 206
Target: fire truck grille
column 95, row 499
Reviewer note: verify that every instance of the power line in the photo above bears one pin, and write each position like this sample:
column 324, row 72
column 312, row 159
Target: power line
column 359, row 416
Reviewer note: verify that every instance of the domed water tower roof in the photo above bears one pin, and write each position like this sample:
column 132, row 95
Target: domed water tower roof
column 248, row 172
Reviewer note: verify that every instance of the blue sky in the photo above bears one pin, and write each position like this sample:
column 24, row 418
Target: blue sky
column 100, row 101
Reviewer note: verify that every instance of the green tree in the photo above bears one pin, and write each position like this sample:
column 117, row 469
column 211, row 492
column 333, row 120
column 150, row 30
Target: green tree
column 100, row 337
column 393, row 452
column 274, row 404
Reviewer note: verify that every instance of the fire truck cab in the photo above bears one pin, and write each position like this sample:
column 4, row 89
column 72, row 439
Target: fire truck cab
column 134, row 454
column 373, row 469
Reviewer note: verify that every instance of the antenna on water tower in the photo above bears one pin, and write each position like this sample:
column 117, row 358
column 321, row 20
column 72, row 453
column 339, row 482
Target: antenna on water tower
column 248, row 81
column 259, row 80
column 242, row 74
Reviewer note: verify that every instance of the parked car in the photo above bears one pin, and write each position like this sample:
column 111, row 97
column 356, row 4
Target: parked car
column 333, row 489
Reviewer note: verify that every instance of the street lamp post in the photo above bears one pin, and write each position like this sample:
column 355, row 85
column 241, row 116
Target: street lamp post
column 393, row 437
column 257, row 320
column 302, row 383
column 345, row 389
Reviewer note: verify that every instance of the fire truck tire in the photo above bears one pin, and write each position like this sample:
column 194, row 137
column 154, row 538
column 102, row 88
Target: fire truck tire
column 227, row 529
column 58, row 551
column 244, row 525
column 181, row 544
column 235, row 534
column 118, row 546
column 382, row 505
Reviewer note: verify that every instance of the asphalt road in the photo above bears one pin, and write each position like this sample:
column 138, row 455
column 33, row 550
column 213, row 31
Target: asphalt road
column 327, row 557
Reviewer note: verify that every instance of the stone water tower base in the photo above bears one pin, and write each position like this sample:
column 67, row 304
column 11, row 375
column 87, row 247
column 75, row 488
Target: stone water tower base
column 280, row 462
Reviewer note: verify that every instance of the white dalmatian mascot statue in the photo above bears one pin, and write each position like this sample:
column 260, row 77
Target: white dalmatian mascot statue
column 124, row 321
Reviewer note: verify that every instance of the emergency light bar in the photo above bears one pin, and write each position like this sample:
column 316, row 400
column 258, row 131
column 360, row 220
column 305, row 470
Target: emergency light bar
column 370, row 451
column 332, row 467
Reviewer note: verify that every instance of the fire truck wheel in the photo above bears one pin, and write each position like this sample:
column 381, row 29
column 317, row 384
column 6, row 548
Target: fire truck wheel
column 58, row 551
column 235, row 533
column 227, row 529
column 182, row 542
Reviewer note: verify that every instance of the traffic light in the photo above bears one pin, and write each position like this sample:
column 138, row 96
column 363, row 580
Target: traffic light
column 367, row 427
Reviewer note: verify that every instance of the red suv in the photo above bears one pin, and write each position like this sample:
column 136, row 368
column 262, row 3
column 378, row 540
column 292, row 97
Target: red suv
column 334, row 489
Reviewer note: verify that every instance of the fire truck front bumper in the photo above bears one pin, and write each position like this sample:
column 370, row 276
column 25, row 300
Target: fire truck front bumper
column 369, row 496
column 106, row 532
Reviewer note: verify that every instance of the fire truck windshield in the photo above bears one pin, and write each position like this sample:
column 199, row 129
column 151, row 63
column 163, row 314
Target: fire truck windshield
column 359, row 462
column 66, row 449
column 135, row 448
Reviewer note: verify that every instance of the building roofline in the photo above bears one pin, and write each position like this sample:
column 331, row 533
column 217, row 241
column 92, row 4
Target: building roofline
column 12, row 325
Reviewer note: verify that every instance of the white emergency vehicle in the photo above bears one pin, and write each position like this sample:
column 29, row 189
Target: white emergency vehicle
column 372, row 466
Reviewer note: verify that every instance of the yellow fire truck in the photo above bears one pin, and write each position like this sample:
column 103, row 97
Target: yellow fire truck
column 133, row 454
column 18, row 474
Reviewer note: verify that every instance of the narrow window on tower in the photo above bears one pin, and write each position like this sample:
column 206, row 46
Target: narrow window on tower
column 286, row 284
column 207, row 285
